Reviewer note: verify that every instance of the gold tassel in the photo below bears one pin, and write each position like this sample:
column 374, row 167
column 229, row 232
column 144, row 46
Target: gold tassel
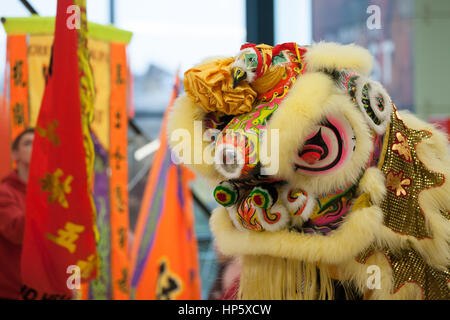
column 87, row 97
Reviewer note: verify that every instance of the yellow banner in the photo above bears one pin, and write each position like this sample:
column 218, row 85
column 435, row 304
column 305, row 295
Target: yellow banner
column 39, row 52
column 99, row 53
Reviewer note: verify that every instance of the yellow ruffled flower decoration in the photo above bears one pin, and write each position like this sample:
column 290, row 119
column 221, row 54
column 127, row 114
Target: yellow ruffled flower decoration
column 211, row 86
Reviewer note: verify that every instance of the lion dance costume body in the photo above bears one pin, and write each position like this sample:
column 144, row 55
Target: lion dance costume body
column 321, row 182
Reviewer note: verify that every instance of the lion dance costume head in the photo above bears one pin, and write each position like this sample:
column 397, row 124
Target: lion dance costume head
column 321, row 182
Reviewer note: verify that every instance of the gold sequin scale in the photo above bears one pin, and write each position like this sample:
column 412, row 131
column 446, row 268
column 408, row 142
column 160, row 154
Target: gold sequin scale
column 406, row 177
column 409, row 267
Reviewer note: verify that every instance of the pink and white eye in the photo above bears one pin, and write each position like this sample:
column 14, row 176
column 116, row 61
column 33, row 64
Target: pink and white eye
column 329, row 147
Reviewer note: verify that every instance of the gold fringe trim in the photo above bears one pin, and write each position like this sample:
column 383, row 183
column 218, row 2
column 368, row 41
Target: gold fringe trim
column 270, row 278
column 87, row 93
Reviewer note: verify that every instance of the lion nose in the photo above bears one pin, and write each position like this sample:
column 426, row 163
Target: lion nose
column 229, row 161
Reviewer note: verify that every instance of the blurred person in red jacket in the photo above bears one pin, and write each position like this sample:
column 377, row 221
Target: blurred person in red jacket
column 12, row 216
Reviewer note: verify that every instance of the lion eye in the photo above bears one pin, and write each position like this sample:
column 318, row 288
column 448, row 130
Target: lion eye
column 315, row 149
column 327, row 148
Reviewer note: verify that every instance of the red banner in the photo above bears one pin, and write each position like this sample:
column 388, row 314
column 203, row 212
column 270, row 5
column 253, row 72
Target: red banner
column 5, row 159
column 59, row 244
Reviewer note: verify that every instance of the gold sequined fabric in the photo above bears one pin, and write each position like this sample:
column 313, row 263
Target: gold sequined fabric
column 446, row 214
column 406, row 177
column 365, row 254
column 409, row 267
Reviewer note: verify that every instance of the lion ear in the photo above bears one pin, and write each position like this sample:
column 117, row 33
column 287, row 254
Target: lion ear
column 374, row 102
column 369, row 95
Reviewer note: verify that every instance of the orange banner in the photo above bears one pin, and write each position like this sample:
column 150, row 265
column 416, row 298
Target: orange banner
column 119, row 172
column 165, row 253
column 18, row 83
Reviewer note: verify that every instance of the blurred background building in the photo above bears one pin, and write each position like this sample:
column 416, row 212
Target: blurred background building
column 409, row 41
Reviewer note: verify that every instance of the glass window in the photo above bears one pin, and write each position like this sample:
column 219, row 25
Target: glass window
column 293, row 21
